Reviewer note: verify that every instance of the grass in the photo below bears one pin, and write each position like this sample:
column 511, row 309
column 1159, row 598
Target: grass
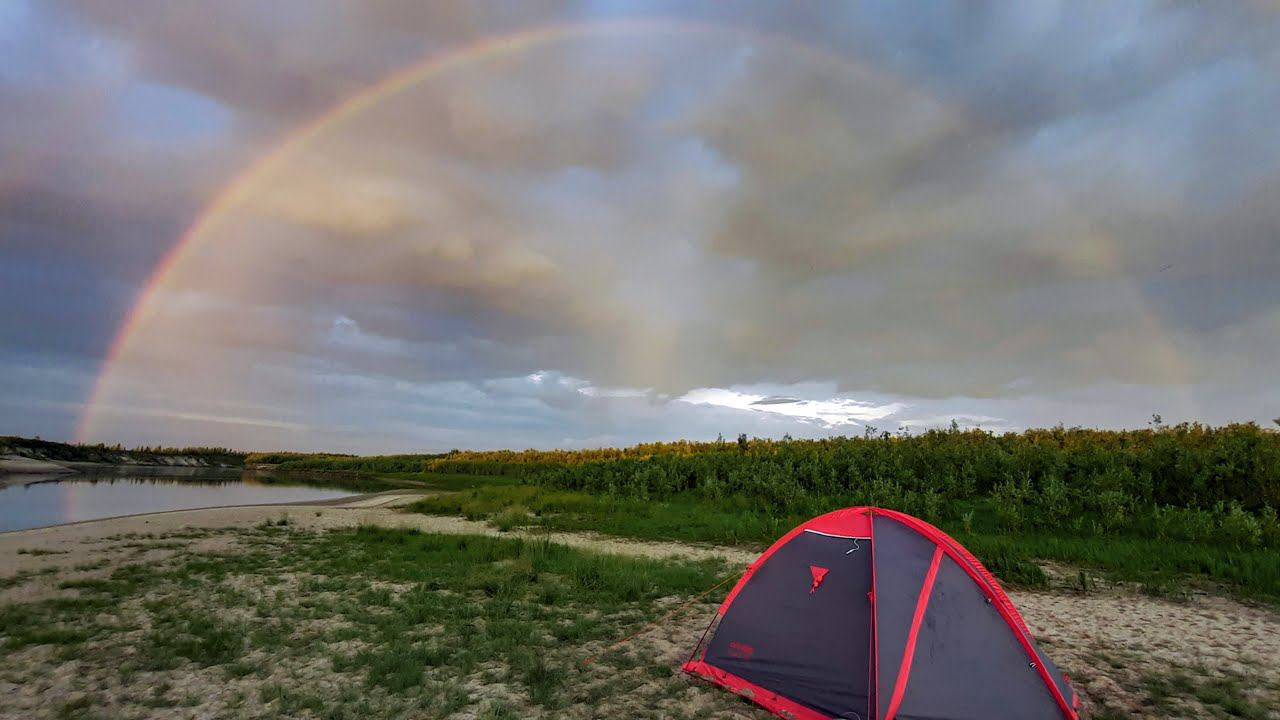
column 364, row 482
column 397, row 622
column 499, row 710
column 19, row 578
column 180, row 634
column 1222, row 695
column 684, row 520
column 1162, row 567
column 454, row 481
column 351, row 482
column 39, row 552
column 82, row 708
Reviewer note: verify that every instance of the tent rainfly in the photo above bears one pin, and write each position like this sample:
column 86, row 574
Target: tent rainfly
column 872, row 614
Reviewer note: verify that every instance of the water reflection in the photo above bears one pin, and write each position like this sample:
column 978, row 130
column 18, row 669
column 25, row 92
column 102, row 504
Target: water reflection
column 36, row 501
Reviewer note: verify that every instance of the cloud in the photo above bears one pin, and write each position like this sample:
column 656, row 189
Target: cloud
column 925, row 217
column 775, row 400
column 239, row 421
column 827, row 413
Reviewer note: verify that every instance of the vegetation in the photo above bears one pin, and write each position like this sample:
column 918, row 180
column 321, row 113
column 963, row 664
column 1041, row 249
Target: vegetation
column 276, row 458
column 341, row 463
column 351, row 482
column 510, row 463
column 1054, row 472
column 1153, row 505
column 1092, row 480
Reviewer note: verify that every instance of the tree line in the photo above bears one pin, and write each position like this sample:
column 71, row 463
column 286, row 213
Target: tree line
column 1188, row 482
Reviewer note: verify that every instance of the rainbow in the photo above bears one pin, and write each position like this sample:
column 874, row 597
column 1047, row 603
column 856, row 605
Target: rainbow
column 397, row 82
column 487, row 48
column 239, row 187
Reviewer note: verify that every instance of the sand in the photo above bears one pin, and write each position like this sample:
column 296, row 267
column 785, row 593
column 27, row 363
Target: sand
column 1114, row 641
column 74, row 542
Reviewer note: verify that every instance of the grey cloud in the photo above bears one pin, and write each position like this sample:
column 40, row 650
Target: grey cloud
column 963, row 246
column 975, row 210
column 280, row 64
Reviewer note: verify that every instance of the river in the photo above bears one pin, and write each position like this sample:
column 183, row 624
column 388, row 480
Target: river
column 30, row 502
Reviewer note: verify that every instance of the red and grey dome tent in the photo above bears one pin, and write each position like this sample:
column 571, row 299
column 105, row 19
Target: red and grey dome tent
column 872, row 614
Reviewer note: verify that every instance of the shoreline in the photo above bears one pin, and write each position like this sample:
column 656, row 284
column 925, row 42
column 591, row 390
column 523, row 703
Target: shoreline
column 349, row 501
column 27, row 471
column 15, row 464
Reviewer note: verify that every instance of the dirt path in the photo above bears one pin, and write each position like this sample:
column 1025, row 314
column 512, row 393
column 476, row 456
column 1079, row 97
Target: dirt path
column 1131, row 655
column 66, row 547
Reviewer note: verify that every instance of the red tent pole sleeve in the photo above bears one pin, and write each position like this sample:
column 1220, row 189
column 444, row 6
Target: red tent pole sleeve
column 900, row 686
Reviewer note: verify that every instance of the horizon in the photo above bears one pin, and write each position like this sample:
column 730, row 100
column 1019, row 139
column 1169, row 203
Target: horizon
column 590, row 225
column 1157, row 424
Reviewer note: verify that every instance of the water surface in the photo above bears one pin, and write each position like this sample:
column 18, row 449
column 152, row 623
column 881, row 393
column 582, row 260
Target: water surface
column 72, row 498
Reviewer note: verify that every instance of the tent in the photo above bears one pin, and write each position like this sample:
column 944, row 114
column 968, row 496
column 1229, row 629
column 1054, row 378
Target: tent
column 872, row 614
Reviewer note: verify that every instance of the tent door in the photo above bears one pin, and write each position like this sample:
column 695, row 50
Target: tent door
column 801, row 627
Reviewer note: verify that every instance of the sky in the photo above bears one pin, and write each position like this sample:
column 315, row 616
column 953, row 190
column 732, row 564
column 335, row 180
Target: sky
column 398, row 226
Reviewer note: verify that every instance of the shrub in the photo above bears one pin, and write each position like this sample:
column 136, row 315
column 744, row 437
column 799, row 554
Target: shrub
column 1008, row 500
column 1270, row 526
column 1239, row 528
column 1186, row 524
column 511, row 519
column 1111, row 508
column 1053, row 506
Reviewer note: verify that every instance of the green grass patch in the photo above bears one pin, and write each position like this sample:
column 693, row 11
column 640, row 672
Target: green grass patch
column 727, row 522
column 1224, row 696
column 184, row 634
column 350, row 481
column 84, row 707
column 39, row 552
column 1162, row 567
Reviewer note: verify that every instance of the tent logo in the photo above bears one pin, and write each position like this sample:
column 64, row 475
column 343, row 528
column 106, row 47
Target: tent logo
column 741, row 650
column 819, row 574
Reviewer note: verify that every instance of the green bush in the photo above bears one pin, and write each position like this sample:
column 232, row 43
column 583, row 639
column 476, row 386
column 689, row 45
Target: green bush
column 1238, row 528
column 1185, row 524
column 1270, row 526
column 1008, row 500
